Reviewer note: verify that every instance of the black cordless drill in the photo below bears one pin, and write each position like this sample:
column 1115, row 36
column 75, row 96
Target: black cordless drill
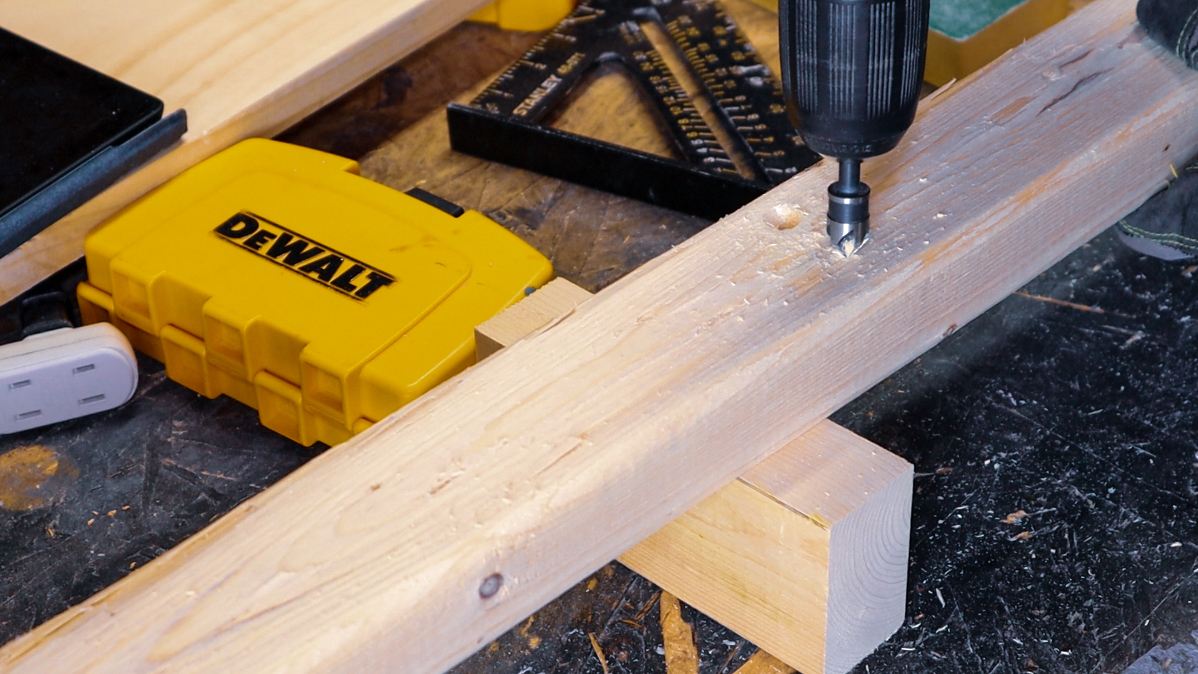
column 852, row 72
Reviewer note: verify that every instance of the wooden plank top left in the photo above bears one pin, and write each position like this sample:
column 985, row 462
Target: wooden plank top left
column 241, row 69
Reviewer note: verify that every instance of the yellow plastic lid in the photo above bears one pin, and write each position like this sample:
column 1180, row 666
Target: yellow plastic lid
column 525, row 14
column 276, row 275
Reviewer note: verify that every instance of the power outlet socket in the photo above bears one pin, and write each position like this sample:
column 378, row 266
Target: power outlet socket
column 63, row 374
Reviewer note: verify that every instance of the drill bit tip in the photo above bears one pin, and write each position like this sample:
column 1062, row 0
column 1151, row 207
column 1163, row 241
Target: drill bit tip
column 848, row 238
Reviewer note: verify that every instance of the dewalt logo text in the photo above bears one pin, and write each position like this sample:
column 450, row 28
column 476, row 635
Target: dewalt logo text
column 303, row 256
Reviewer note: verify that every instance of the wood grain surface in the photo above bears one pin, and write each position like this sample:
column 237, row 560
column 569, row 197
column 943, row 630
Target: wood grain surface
column 448, row 522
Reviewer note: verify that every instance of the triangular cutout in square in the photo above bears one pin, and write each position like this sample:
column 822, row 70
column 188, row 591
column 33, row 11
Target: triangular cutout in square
column 507, row 121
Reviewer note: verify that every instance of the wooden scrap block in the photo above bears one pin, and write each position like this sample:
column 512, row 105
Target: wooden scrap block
column 553, row 301
column 805, row 554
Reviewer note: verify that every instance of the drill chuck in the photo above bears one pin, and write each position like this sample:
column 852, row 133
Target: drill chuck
column 852, row 72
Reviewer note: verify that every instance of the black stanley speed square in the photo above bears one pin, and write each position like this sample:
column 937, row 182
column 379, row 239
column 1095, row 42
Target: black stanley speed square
column 504, row 123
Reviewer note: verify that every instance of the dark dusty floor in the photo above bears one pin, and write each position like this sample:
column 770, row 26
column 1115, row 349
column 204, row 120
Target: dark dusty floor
column 1084, row 417
column 1072, row 402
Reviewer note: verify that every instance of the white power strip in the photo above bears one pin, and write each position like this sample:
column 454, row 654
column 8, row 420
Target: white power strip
column 62, row 374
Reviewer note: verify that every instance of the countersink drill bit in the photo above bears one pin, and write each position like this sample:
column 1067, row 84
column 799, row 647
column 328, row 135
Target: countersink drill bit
column 848, row 208
column 851, row 73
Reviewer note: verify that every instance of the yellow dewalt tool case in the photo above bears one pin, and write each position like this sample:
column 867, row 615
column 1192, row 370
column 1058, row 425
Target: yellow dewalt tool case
column 278, row 276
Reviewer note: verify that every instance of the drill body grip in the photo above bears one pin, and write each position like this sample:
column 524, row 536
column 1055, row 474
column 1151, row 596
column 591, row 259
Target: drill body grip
column 852, row 71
